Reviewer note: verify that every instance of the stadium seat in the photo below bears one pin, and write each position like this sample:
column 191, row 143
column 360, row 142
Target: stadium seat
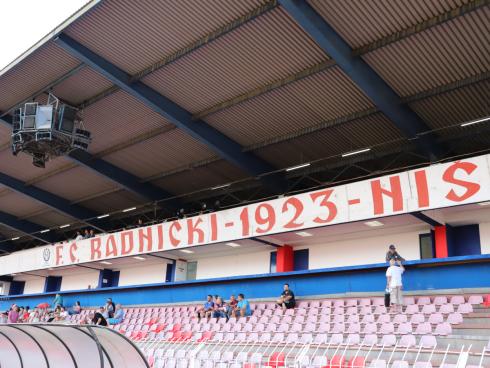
column 276, row 360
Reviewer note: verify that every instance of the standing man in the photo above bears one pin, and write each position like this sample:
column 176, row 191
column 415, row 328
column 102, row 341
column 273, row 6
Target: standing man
column 109, row 308
column 393, row 254
column 286, row 301
column 394, row 284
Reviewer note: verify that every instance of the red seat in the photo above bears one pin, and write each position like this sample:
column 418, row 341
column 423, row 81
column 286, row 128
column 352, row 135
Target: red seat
column 160, row 327
column 486, row 303
column 207, row 335
column 337, row 362
column 357, row 362
column 176, row 336
column 176, row 327
column 276, row 360
column 249, row 365
column 185, row 336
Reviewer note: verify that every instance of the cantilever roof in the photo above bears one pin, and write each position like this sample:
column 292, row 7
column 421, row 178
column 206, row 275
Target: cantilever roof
column 248, row 70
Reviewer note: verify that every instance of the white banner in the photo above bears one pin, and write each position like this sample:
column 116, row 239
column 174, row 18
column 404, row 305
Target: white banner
column 444, row 185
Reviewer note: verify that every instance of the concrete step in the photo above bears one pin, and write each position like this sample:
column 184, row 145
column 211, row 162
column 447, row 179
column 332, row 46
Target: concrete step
column 474, row 329
column 476, row 320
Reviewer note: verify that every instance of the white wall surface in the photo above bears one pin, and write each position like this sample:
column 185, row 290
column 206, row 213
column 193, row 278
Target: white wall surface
column 485, row 237
column 144, row 274
column 80, row 281
column 236, row 265
column 364, row 250
column 34, row 285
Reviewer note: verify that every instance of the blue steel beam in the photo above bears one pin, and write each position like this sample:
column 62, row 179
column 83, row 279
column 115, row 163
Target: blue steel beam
column 227, row 148
column 24, row 226
column 55, row 202
column 363, row 75
column 115, row 174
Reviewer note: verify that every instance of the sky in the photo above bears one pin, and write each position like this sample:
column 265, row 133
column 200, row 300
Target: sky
column 24, row 22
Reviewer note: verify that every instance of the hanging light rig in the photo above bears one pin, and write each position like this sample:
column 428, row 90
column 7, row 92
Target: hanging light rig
column 48, row 131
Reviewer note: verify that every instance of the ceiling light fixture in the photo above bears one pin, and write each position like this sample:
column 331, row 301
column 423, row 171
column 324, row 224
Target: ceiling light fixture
column 374, row 223
column 221, row 186
column 45, row 231
column 186, row 251
column 16, row 238
column 139, row 258
column 304, row 234
column 297, row 167
column 233, row 245
column 103, row 216
column 476, row 121
column 356, row 152
column 105, row 262
column 63, row 226
column 129, row 209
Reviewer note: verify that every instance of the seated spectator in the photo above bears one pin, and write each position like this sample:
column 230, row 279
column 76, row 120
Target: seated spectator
column 76, row 309
column 26, row 315
column 231, row 306
column 79, row 236
column 97, row 318
column 13, row 315
column 242, row 307
column 286, row 301
column 35, row 316
column 118, row 316
column 86, row 234
column 61, row 315
column 109, row 308
column 91, row 233
column 220, row 309
column 3, row 317
column 21, row 315
column 207, row 309
column 58, row 301
column 104, row 312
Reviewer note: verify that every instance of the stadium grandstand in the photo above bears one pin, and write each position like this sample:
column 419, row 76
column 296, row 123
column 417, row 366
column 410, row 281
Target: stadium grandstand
column 249, row 184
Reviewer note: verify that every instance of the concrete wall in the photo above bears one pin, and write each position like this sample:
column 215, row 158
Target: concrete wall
column 240, row 264
column 80, row 281
column 34, row 285
column 144, row 274
column 485, row 237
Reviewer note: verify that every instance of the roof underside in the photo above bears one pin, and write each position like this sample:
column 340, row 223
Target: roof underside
column 247, row 70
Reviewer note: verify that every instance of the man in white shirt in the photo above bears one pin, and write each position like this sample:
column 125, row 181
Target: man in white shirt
column 394, row 283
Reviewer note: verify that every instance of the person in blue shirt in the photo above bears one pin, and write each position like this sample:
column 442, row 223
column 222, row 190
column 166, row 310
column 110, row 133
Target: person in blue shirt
column 242, row 308
column 207, row 309
column 118, row 316
column 58, row 301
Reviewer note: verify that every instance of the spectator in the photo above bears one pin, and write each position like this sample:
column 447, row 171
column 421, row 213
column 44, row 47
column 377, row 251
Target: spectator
column 79, row 236
column 58, row 300
column 13, row 315
column 220, row 309
column 76, row 309
column 393, row 254
column 86, row 234
column 118, row 315
column 242, row 308
column 35, row 316
column 3, row 317
column 91, row 233
column 109, row 308
column 394, row 284
column 139, row 223
column 207, row 309
column 97, row 318
column 231, row 306
column 286, row 301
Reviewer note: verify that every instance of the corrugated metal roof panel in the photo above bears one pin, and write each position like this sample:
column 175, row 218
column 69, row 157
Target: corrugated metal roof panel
column 81, row 86
column 135, row 34
column 216, row 173
column 113, row 202
column 7, row 232
column 455, row 107
column 443, row 54
column 361, row 133
column 19, row 205
column 360, row 22
column 116, row 118
column 20, row 166
column 323, row 96
column 5, row 133
column 51, row 219
column 267, row 48
column 76, row 183
column 161, row 153
column 33, row 73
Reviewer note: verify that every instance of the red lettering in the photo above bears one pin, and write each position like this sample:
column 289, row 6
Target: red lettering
column 471, row 188
column 111, row 247
column 245, row 222
column 127, row 242
column 173, row 240
column 73, row 250
column 330, row 206
column 193, row 228
column 160, row 237
column 298, row 208
column 422, row 188
column 95, row 248
column 395, row 194
column 59, row 255
column 145, row 235
column 214, row 226
column 269, row 220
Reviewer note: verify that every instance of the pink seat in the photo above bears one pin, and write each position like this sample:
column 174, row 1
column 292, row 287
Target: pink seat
column 368, row 318
column 423, row 300
column 440, row 300
column 218, row 337
column 351, row 303
column 457, row 299
column 400, row 318
column 428, row 309
column 407, row 341
column 353, row 318
column 400, row 364
column 378, row 302
column 364, row 302
column 370, row 340
column 292, row 338
column 428, row 342
column 278, row 338
column 388, row 340
column 271, row 327
column 455, row 318
column 443, row 329
column 423, row 365
column 436, row 318
column 326, row 304
column 338, row 303
column 353, row 339
column 336, row 339
column 465, row 308
column 370, row 328
column 338, row 310
column 289, row 312
column 326, row 311
column 409, row 300
column 265, row 337
column 296, row 327
column 325, row 318
column 354, row 328
column 306, row 338
column 324, row 328
column 412, row 309
column 377, row 363
column 446, row 308
column 287, row 319
column 315, row 304
column 404, row 328
column 309, row 327
column 299, row 319
column 229, row 337
column 338, row 328
column 417, row 318
column 365, row 310
column 384, row 318
column 283, row 327
column 475, row 299
column 380, row 309
column 351, row 310
column 339, row 318
column 387, row 328
column 312, row 319
column 423, row 329
column 320, row 338
column 259, row 327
